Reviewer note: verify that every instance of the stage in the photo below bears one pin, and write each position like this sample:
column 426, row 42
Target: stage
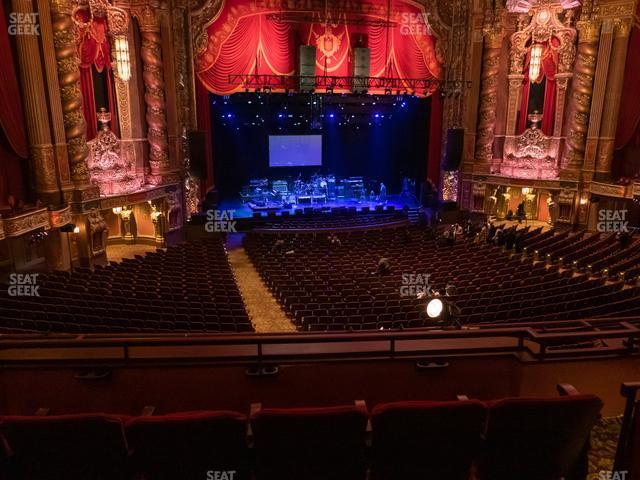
column 241, row 209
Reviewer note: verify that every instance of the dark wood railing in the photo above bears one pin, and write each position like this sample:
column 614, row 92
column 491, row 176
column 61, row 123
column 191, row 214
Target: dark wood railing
column 530, row 341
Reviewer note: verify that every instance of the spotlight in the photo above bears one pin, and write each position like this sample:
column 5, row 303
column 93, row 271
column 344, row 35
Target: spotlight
column 435, row 307
column 331, row 115
column 377, row 115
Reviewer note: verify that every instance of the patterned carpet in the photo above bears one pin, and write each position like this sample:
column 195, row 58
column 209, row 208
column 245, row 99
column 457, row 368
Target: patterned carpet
column 604, row 440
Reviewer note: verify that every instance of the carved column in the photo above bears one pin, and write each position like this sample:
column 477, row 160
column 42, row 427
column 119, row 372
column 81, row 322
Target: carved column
column 612, row 97
column 37, row 119
column 493, row 35
column 597, row 102
column 69, row 80
column 154, row 96
column 580, row 96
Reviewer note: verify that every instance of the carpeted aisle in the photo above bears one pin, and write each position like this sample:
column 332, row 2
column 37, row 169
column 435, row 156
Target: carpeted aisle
column 266, row 314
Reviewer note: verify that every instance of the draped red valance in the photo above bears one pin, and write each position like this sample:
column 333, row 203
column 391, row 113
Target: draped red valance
column 243, row 40
column 94, row 50
column 548, row 67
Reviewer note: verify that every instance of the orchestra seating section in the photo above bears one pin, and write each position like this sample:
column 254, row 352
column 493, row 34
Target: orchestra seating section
column 328, row 286
column 523, row 438
column 187, row 288
column 328, row 281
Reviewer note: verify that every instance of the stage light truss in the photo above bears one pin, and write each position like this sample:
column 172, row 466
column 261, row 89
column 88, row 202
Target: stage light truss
column 292, row 17
column 391, row 85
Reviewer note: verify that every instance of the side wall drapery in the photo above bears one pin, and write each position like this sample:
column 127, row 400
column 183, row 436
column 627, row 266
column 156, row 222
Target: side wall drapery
column 548, row 72
column 628, row 131
column 95, row 53
column 203, row 108
column 14, row 146
column 435, row 140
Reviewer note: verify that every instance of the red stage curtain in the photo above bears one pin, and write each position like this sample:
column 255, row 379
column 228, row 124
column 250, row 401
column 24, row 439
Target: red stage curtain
column 88, row 101
column 203, row 110
column 628, row 131
column 243, row 41
column 435, row 140
column 548, row 71
column 14, row 147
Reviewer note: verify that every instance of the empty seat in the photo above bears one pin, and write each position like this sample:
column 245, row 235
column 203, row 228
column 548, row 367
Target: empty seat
column 188, row 445
column 413, row 438
column 538, row 439
column 82, row 447
column 310, row 443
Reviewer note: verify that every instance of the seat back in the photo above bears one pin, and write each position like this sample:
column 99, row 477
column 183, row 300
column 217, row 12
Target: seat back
column 87, row 447
column 189, row 444
column 310, row 443
column 414, row 437
column 541, row 439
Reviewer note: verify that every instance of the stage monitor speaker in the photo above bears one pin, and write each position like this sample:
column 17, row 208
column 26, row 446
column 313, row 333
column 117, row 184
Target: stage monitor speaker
column 198, row 153
column 307, row 68
column 361, row 70
column 455, row 145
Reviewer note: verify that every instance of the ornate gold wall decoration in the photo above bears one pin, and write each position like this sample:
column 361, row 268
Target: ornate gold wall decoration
column 154, row 96
column 493, row 32
column 69, row 80
column 581, row 92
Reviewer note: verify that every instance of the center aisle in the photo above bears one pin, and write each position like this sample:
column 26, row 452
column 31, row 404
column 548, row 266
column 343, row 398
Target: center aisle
column 264, row 311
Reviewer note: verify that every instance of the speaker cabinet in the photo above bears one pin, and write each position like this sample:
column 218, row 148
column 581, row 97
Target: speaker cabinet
column 307, row 68
column 361, row 70
column 455, row 145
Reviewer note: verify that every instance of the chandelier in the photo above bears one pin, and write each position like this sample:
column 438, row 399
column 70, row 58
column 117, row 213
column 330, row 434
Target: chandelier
column 118, row 23
column 535, row 62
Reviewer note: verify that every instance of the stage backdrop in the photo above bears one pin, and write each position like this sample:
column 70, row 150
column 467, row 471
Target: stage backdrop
column 244, row 40
column 381, row 148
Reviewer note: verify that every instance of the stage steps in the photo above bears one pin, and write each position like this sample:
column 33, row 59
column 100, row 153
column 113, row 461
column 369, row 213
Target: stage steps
column 413, row 214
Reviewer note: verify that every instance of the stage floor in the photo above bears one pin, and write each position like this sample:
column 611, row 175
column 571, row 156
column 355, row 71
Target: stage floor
column 243, row 210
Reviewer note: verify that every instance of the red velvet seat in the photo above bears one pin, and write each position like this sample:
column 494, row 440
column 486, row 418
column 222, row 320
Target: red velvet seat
column 310, row 443
column 422, row 439
column 82, row 447
column 538, row 439
column 628, row 453
column 188, row 445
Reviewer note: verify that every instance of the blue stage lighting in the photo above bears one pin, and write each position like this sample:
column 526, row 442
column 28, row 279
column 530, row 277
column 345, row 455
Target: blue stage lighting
column 229, row 115
column 280, row 115
column 331, row 115
column 377, row 115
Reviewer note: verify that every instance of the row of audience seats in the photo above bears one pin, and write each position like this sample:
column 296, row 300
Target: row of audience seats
column 187, row 288
column 513, row 438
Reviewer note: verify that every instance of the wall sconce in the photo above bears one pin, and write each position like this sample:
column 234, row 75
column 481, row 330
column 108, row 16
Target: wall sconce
column 122, row 58
column 526, row 191
column 76, row 230
column 584, row 200
column 535, row 62
column 117, row 210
